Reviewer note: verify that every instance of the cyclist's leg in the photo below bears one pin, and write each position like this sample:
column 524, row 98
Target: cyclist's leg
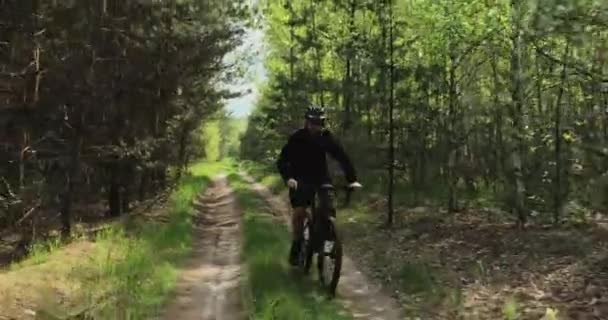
column 300, row 201
column 297, row 222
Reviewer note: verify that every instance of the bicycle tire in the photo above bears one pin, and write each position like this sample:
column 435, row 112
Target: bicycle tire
column 335, row 257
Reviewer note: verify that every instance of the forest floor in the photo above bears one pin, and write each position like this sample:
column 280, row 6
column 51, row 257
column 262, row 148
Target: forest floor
column 92, row 219
column 429, row 265
column 220, row 254
column 125, row 269
column 464, row 267
column 474, row 265
column 209, row 285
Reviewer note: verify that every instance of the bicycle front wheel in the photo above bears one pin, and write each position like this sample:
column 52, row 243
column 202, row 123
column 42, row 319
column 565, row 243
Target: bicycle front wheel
column 329, row 260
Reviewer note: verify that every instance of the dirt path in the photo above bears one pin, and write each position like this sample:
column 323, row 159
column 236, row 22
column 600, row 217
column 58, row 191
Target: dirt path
column 363, row 298
column 209, row 286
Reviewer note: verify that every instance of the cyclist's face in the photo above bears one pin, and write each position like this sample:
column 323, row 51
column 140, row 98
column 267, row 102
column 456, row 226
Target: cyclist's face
column 315, row 128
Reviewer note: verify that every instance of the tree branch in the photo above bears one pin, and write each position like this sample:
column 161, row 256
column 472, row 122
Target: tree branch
column 570, row 65
column 29, row 213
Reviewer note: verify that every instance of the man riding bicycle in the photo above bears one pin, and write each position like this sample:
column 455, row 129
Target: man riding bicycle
column 303, row 166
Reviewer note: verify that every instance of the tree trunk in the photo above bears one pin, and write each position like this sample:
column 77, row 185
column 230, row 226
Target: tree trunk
column 318, row 71
column 347, row 96
column 127, row 173
column 382, row 67
column 368, row 106
column 517, row 96
column 348, row 83
column 143, row 184
column 162, row 177
column 498, row 155
column 22, row 156
column 452, row 178
column 292, row 76
column 126, row 199
column 114, row 192
column 391, row 152
column 71, row 176
column 539, row 86
column 183, row 143
column 558, row 195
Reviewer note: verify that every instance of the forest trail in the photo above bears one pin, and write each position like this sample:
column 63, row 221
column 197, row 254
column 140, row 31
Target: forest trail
column 356, row 292
column 210, row 284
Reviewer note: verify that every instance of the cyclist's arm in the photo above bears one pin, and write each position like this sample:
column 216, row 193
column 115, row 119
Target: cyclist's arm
column 283, row 164
column 335, row 149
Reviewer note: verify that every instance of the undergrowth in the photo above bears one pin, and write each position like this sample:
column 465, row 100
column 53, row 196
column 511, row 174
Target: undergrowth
column 120, row 274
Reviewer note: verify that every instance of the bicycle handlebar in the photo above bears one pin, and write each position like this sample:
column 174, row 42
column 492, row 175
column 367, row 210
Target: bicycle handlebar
column 348, row 191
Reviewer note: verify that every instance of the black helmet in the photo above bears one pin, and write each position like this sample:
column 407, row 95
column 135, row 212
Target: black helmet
column 315, row 114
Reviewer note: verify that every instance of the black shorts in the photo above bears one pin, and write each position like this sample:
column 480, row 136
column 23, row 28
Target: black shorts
column 303, row 197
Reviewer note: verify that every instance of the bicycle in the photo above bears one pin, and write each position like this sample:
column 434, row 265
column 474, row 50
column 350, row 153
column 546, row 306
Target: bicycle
column 321, row 238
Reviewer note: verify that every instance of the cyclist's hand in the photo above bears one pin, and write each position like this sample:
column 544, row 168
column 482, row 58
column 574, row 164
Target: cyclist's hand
column 355, row 185
column 292, row 184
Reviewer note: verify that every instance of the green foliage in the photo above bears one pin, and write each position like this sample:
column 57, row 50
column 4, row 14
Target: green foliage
column 107, row 97
column 39, row 253
column 123, row 274
column 497, row 97
column 550, row 314
column 231, row 131
column 211, row 135
column 511, row 310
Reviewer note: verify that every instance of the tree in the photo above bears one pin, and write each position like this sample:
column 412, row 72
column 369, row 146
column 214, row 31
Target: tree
column 460, row 96
column 96, row 96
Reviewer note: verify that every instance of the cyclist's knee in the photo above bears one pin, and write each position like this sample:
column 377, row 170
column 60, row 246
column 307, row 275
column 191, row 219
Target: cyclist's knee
column 299, row 213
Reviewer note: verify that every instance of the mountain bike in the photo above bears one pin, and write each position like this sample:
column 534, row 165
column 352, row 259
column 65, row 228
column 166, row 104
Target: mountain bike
column 321, row 238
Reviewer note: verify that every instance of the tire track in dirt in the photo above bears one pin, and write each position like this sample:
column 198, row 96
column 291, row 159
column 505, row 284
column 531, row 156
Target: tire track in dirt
column 209, row 287
column 362, row 297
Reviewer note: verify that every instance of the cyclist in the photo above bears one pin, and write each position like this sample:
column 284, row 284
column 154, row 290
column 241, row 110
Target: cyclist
column 302, row 164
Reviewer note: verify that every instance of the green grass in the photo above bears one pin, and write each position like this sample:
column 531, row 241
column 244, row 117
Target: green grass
column 278, row 291
column 265, row 174
column 39, row 252
column 510, row 310
column 416, row 278
column 119, row 275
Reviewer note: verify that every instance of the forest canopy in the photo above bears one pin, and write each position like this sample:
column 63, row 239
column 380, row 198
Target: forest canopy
column 504, row 101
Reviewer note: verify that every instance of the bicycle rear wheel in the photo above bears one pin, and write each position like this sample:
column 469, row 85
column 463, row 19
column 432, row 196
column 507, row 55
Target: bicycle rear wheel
column 329, row 260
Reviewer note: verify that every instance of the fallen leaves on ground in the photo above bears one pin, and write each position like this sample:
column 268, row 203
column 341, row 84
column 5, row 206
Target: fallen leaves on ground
column 460, row 266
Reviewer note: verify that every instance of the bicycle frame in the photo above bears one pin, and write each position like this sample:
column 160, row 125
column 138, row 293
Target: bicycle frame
column 317, row 217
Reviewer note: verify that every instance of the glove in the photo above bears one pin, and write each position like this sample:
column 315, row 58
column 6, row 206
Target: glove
column 292, row 184
column 355, row 185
